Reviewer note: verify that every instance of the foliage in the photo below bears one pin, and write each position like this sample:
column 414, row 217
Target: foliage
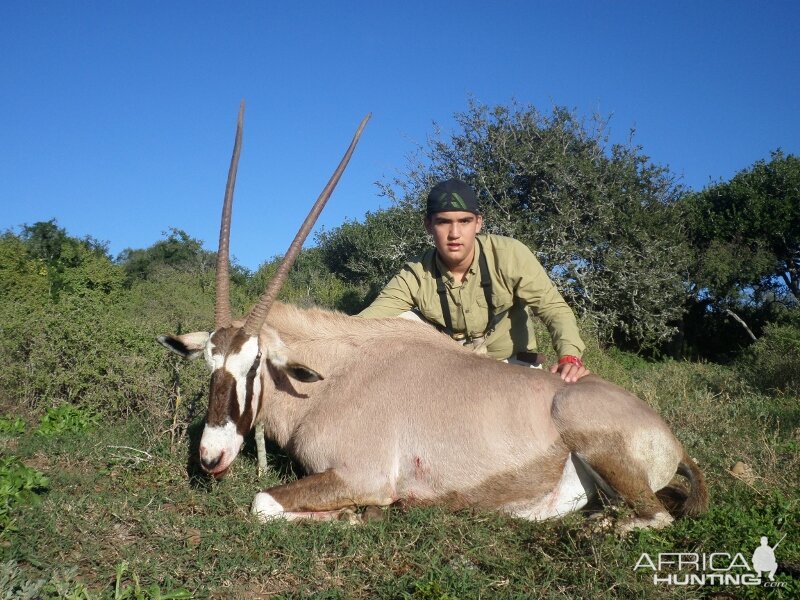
column 67, row 418
column 75, row 266
column 747, row 232
column 94, row 345
column 371, row 252
column 10, row 426
column 310, row 282
column 136, row 592
column 429, row 590
column 60, row 586
column 745, row 235
column 773, row 362
column 177, row 251
column 602, row 220
column 19, row 485
column 63, row 585
column 22, row 278
column 50, row 243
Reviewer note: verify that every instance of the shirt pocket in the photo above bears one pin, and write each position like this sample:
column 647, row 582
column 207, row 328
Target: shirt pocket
column 501, row 300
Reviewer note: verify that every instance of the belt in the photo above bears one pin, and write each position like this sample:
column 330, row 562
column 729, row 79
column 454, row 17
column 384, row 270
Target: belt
column 465, row 338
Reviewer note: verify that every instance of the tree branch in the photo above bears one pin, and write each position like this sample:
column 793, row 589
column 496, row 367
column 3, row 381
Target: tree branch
column 741, row 322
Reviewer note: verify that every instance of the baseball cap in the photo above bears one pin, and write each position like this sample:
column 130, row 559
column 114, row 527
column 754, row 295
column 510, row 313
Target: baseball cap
column 452, row 195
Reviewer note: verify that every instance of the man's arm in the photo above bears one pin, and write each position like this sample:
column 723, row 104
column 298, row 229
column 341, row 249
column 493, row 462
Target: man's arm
column 534, row 287
column 396, row 298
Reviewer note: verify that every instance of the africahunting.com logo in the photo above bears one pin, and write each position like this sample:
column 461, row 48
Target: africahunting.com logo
column 714, row 568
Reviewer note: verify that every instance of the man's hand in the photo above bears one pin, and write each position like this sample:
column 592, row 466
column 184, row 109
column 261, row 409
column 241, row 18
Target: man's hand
column 570, row 368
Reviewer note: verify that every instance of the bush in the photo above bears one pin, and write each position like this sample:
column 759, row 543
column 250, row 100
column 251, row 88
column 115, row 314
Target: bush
column 18, row 485
column 66, row 419
column 310, row 283
column 11, row 427
column 773, row 362
column 92, row 345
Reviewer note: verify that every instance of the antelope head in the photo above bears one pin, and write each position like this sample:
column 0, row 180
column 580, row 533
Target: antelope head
column 236, row 352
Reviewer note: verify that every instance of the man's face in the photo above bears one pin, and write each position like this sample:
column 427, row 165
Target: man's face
column 454, row 236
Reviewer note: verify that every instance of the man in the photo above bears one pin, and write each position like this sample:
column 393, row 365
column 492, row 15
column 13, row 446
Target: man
column 479, row 289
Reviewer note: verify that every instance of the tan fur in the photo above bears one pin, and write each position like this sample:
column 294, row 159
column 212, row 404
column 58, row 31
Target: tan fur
column 404, row 414
column 529, row 483
column 319, row 492
column 379, row 411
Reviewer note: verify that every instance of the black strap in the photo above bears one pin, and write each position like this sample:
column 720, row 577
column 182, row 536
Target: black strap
column 486, row 284
column 442, row 291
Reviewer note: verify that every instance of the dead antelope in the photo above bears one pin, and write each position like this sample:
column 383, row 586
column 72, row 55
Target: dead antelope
column 379, row 411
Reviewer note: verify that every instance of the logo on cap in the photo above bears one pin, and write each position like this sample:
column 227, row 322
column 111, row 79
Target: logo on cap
column 454, row 201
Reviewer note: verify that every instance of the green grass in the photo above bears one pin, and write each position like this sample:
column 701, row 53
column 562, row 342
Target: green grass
column 122, row 516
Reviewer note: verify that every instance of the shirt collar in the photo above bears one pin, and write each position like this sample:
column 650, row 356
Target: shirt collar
column 473, row 268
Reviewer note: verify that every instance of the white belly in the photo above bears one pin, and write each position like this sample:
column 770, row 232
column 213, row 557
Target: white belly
column 571, row 493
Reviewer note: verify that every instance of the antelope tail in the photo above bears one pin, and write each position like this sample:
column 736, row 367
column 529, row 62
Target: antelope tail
column 677, row 500
column 697, row 500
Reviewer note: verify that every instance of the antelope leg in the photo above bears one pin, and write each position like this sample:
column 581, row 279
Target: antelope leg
column 321, row 496
column 261, row 449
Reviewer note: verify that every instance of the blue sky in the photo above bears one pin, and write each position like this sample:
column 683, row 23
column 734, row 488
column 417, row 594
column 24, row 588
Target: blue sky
column 117, row 118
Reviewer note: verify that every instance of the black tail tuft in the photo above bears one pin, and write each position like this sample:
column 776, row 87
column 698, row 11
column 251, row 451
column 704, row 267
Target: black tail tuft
column 673, row 497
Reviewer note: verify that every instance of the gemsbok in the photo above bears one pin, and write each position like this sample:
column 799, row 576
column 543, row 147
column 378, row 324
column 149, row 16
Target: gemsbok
column 379, row 411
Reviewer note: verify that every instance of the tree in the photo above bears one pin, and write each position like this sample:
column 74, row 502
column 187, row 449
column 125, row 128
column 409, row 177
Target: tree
column 177, row 251
column 372, row 251
column 71, row 265
column 602, row 220
column 746, row 233
column 44, row 240
column 310, row 283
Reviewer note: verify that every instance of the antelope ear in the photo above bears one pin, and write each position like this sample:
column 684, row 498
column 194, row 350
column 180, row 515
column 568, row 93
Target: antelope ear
column 300, row 372
column 188, row 345
column 279, row 356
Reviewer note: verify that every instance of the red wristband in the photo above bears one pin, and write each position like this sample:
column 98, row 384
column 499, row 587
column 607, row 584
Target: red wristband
column 570, row 359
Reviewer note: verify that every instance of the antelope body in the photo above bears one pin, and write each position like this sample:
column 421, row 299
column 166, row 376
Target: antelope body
column 379, row 411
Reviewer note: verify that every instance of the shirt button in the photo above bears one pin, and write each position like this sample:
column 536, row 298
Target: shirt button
column 466, row 310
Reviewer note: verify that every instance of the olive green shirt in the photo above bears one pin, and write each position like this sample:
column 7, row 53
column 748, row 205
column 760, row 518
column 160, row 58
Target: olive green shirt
column 519, row 283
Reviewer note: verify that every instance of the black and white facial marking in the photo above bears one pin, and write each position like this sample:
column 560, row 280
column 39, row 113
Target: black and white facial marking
column 235, row 361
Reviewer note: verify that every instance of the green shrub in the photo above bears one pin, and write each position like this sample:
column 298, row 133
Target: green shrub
column 137, row 592
column 66, row 418
column 19, row 485
column 428, row 590
column 101, row 353
column 773, row 362
column 9, row 427
column 14, row 583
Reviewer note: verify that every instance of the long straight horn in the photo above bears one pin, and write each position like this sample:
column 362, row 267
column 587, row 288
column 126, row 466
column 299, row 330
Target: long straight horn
column 222, row 307
column 259, row 313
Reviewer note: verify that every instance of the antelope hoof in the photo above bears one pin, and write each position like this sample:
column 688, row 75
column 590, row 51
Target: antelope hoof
column 657, row 521
column 349, row 516
column 266, row 508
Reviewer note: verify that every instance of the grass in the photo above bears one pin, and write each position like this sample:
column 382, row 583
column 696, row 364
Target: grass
column 123, row 515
